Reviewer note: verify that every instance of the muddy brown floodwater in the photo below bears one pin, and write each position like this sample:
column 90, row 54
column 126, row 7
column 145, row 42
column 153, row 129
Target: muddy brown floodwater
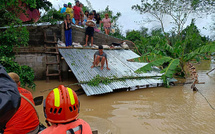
column 175, row 110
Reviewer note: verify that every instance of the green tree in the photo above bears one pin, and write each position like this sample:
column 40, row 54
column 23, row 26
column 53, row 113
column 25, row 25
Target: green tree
column 181, row 45
column 15, row 35
column 52, row 16
column 171, row 58
column 193, row 38
column 177, row 10
column 144, row 31
column 146, row 43
column 133, row 35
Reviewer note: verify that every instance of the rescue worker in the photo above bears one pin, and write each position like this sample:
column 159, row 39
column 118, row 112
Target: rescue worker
column 25, row 120
column 9, row 98
column 62, row 110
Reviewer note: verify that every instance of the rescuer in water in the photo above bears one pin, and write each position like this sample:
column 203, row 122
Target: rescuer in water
column 62, row 110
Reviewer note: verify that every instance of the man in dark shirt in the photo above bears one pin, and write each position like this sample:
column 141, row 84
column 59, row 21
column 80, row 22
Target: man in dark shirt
column 99, row 59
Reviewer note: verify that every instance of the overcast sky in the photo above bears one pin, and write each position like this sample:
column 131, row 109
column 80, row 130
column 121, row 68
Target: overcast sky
column 131, row 19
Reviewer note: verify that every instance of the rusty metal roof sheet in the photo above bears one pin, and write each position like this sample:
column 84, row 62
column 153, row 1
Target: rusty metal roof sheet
column 80, row 62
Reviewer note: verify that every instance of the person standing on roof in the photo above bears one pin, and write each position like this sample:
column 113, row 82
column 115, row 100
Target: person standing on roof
column 94, row 14
column 62, row 108
column 69, row 10
column 90, row 29
column 107, row 24
column 100, row 58
column 77, row 12
column 63, row 10
column 25, row 120
column 82, row 13
column 68, row 30
column 98, row 21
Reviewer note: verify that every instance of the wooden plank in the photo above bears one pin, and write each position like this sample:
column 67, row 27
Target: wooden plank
column 51, row 47
column 52, row 63
column 91, row 48
column 50, row 42
column 52, row 74
column 51, row 52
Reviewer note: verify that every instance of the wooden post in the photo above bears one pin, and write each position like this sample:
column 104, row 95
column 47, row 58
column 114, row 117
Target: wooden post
column 62, row 33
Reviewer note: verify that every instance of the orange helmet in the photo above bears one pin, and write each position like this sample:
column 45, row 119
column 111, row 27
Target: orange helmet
column 62, row 105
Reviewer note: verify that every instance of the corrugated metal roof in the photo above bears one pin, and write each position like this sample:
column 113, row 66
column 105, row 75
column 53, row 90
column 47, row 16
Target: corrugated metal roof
column 80, row 62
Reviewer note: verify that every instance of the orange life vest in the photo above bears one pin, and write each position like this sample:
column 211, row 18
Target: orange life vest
column 25, row 119
column 78, row 127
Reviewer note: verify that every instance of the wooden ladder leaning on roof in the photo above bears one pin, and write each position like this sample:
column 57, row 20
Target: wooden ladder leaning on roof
column 51, row 50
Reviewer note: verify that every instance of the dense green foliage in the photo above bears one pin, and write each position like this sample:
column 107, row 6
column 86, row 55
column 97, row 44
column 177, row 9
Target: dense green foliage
column 107, row 80
column 16, row 35
column 52, row 16
column 171, row 51
column 170, row 55
column 25, row 72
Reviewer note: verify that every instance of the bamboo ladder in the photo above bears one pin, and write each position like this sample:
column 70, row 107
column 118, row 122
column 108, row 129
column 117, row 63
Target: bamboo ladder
column 51, row 50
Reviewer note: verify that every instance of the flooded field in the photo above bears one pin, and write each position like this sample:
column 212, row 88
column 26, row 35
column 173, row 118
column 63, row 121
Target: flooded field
column 175, row 110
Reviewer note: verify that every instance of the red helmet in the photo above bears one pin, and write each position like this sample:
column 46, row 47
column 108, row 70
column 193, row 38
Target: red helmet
column 62, row 105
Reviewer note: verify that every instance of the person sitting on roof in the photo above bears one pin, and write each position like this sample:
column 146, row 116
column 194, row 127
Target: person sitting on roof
column 25, row 120
column 63, row 10
column 62, row 108
column 99, row 58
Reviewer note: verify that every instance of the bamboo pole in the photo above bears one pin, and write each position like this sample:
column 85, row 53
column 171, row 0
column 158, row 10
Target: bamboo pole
column 210, row 71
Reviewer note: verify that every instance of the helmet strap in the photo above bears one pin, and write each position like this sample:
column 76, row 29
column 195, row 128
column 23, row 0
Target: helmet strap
column 73, row 130
column 48, row 124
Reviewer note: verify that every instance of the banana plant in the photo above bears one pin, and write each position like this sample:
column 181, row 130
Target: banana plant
column 174, row 61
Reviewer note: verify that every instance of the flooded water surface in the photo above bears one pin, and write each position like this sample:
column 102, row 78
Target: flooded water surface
column 175, row 110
